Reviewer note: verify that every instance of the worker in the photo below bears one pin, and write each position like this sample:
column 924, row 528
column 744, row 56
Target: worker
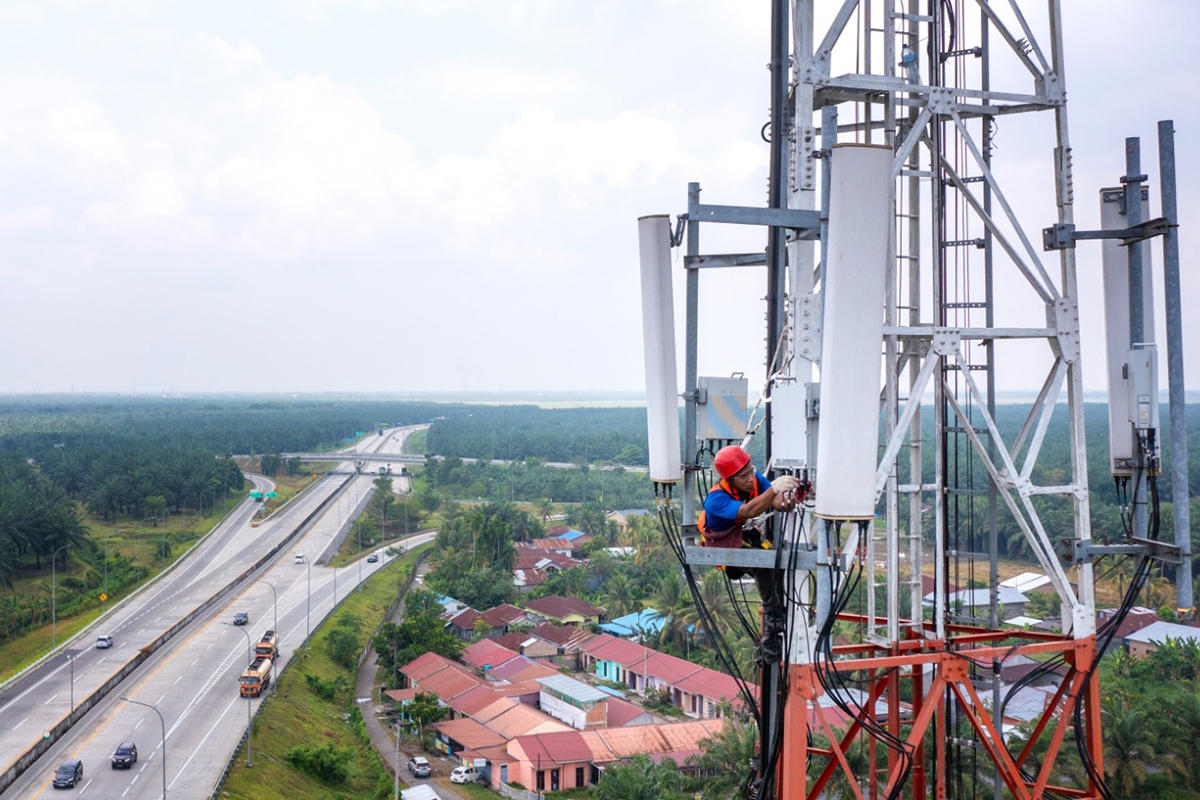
column 742, row 494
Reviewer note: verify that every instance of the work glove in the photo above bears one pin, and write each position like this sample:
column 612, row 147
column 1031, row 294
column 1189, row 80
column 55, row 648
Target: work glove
column 784, row 484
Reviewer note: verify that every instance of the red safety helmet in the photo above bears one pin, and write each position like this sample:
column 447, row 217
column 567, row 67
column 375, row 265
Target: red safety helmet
column 730, row 460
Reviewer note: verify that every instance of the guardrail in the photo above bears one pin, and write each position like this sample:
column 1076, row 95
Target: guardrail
column 30, row 756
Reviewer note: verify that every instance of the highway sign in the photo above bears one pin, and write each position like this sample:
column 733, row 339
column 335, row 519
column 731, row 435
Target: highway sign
column 103, row 597
column 272, row 494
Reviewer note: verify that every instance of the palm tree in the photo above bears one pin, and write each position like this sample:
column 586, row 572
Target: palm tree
column 621, row 595
column 715, row 597
column 725, row 760
column 545, row 508
column 641, row 779
column 672, row 600
column 1131, row 749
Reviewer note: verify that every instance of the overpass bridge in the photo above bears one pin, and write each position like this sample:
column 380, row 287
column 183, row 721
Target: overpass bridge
column 389, row 458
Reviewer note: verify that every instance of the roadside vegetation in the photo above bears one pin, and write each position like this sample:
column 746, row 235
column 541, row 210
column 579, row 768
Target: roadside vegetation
column 387, row 518
column 309, row 741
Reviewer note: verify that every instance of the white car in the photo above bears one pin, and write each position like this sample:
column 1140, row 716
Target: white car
column 464, row 775
column 104, row 642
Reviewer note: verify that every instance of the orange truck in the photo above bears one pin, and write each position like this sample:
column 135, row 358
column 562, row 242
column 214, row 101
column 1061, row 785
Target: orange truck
column 266, row 646
column 256, row 678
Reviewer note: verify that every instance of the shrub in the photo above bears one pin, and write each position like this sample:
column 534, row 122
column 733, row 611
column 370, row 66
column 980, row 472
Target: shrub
column 325, row 762
column 343, row 646
column 327, row 689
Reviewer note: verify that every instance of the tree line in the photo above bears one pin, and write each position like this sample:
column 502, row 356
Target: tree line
column 531, row 481
column 140, row 481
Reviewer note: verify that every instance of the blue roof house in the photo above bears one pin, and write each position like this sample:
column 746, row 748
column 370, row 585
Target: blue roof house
column 571, row 535
column 645, row 623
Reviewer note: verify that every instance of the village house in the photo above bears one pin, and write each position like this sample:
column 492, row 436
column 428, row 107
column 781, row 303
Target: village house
column 565, row 610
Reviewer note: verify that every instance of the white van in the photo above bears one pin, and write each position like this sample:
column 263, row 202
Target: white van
column 299, row 558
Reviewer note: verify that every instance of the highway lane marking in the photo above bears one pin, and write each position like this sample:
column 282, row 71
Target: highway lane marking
column 140, row 721
column 89, row 783
column 31, row 688
column 19, row 724
column 182, row 769
column 127, row 788
column 194, row 660
column 50, row 700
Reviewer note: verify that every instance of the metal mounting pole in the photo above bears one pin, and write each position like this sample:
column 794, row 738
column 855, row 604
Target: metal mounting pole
column 691, row 443
column 1175, row 388
column 1137, row 320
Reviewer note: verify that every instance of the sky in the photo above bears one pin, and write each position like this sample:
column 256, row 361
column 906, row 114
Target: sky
column 442, row 195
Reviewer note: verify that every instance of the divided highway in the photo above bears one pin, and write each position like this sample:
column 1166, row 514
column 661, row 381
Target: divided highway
column 192, row 679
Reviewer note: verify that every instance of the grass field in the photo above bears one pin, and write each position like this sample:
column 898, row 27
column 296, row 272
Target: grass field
column 301, row 716
column 416, row 442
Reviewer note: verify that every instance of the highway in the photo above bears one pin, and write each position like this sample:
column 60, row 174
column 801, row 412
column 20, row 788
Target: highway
column 193, row 679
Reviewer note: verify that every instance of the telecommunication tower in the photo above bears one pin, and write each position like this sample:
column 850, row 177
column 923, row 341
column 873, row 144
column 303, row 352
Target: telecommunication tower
column 889, row 231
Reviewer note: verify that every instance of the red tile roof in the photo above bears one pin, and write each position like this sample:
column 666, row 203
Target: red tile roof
column 570, row 545
column 428, row 663
column 530, row 557
column 620, row 651
column 513, row 641
column 465, row 620
column 473, row 702
column 468, row 733
column 486, row 652
column 504, row 614
column 622, row 712
column 528, row 577
column 713, row 685
column 604, row 745
column 566, row 636
column 521, row 720
column 669, row 668
column 556, row 606
column 401, row 695
column 521, row 669
column 448, row 683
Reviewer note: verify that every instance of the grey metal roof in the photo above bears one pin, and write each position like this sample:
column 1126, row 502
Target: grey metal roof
column 576, row 690
column 1160, row 631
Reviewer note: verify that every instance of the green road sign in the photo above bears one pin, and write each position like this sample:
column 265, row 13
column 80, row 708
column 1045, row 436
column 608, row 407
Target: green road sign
column 272, row 494
column 256, row 494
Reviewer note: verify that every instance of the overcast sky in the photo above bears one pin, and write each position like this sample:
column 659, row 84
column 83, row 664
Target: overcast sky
column 311, row 195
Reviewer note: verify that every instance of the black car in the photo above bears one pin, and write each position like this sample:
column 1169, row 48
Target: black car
column 125, row 756
column 371, row 559
column 68, row 774
column 241, row 618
